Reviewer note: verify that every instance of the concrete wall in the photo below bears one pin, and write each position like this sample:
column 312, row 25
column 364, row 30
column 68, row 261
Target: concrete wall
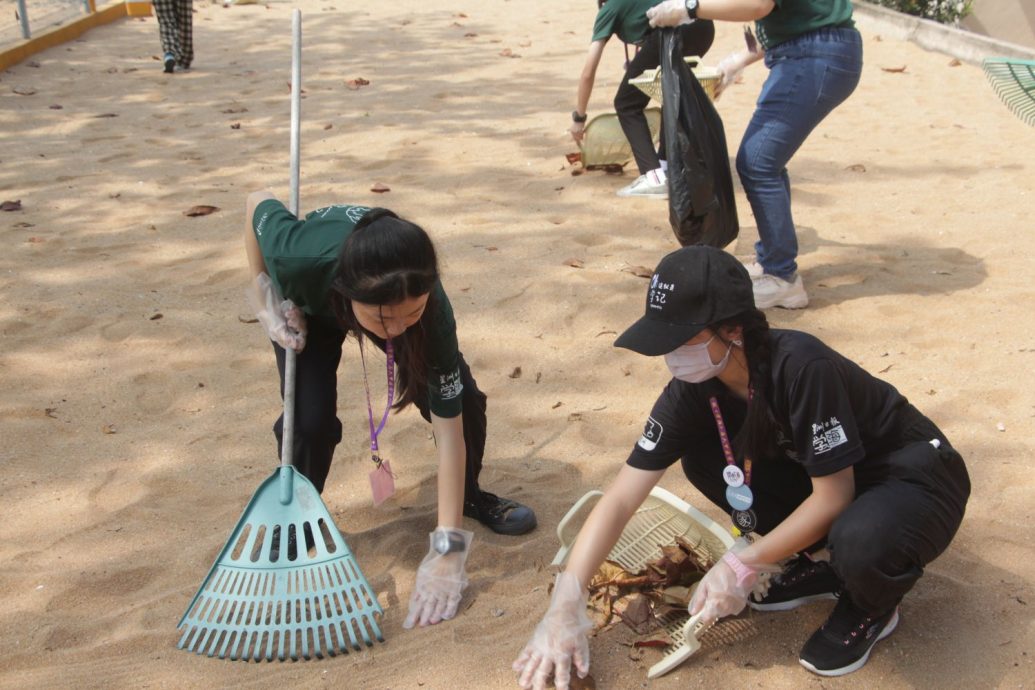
column 1007, row 20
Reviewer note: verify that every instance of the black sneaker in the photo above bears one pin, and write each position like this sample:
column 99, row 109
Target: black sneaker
column 844, row 642
column 802, row 581
column 501, row 515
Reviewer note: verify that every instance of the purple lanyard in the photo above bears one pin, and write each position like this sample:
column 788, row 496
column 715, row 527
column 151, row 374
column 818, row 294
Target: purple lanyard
column 374, row 433
column 727, row 449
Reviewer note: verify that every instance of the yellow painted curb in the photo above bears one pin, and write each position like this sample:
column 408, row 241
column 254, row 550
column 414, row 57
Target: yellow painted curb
column 63, row 34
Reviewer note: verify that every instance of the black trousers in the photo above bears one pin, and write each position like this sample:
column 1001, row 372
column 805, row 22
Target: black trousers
column 630, row 102
column 908, row 505
column 317, row 427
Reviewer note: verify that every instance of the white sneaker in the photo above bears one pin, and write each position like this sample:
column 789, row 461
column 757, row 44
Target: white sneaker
column 771, row 291
column 650, row 185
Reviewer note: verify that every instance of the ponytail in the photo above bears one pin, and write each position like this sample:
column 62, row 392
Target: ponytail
column 758, row 435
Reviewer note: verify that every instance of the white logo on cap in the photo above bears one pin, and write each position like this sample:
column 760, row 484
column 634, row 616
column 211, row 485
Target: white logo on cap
column 658, row 293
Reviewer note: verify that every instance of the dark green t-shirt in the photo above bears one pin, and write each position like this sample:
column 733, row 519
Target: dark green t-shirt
column 301, row 256
column 792, row 18
column 627, row 18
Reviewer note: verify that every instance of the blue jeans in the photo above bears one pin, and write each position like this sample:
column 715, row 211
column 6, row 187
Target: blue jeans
column 809, row 76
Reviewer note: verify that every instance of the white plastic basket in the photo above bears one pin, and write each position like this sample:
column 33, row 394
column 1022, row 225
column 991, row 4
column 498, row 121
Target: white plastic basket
column 662, row 517
column 604, row 142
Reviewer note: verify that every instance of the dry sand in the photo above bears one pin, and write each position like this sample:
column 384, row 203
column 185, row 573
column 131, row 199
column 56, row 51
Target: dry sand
column 136, row 405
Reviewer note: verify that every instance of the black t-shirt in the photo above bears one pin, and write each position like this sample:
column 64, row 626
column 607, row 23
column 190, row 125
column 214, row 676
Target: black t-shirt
column 830, row 412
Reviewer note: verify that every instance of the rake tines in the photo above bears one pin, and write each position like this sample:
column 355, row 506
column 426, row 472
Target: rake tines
column 269, row 597
column 1014, row 83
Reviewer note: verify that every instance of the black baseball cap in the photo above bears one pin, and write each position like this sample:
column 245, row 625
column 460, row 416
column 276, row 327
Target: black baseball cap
column 691, row 288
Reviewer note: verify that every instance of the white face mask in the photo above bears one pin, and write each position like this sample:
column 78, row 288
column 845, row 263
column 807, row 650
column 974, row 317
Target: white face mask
column 693, row 364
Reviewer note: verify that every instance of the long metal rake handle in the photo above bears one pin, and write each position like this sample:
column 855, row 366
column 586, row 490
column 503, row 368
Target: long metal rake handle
column 288, row 437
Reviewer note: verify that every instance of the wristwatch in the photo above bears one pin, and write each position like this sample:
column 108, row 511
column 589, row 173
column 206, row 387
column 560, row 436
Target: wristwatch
column 448, row 542
column 575, row 117
column 691, row 8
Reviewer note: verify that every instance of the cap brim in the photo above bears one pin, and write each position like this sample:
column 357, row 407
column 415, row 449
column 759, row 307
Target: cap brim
column 653, row 338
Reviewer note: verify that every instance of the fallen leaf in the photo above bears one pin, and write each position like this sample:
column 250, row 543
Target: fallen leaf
column 470, row 34
column 35, row 240
column 108, row 429
column 23, row 224
column 557, row 189
column 457, row 24
column 32, row 63
column 328, row 126
column 156, row 317
column 380, row 188
column 11, row 205
column 856, row 167
column 49, row 411
column 247, row 319
column 354, row 84
column 607, row 332
column 202, row 210
column 24, row 90
column 575, row 417
column 56, row 107
column 652, row 643
column 574, row 157
column 516, row 374
column 538, row 376
column 106, row 115
column 114, row 195
column 556, row 405
column 640, row 271
column 492, row 249
column 112, row 70
column 955, row 62
column 231, row 111
column 461, row 15
column 236, row 125
column 894, row 69
column 574, row 263
column 507, row 52
column 886, row 369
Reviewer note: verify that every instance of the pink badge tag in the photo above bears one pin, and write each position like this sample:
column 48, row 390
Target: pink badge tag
column 382, row 483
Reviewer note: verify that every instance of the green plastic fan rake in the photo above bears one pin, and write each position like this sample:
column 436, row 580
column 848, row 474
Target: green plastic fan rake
column 267, row 596
column 1014, row 83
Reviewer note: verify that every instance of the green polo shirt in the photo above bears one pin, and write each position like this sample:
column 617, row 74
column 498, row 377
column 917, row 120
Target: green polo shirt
column 301, row 257
column 627, row 18
column 792, row 18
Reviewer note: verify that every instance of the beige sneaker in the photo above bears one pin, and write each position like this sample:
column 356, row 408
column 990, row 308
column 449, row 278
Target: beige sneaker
column 771, row 291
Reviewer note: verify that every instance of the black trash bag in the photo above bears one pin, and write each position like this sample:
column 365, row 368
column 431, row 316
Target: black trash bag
column 701, row 207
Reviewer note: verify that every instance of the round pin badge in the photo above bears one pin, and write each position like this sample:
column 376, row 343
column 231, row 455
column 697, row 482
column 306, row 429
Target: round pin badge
column 745, row 520
column 739, row 497
column 733, row 475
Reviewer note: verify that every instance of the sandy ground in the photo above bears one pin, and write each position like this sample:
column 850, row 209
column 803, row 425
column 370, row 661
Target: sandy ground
column 136, row 404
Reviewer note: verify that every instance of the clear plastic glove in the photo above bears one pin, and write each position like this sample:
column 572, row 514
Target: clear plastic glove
column 284, row 322
column 558, row 640
column 730, row 68
column 668, row 13
column 440, row 578
column 725, row 589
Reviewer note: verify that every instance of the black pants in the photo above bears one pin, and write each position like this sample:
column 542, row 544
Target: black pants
column 630, row 102
column 317, row 427
column 908, row 505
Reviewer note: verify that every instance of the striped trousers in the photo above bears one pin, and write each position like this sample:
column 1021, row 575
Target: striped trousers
column 175, row 27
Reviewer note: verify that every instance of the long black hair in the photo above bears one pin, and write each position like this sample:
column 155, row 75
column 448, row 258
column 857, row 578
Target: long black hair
column 384, row 261
column 757, row 438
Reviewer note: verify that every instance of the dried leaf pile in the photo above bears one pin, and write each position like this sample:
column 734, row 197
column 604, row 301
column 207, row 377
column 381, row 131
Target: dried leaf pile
column 641, row 599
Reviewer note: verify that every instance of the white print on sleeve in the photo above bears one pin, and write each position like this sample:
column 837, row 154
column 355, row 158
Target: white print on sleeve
column 450, row 386
column 262, row 222
column 651, row 434
column 827, row 435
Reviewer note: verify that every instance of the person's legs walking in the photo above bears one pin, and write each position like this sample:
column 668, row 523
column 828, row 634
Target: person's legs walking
column 167, row 14
column 809, row 77
column 186, row 30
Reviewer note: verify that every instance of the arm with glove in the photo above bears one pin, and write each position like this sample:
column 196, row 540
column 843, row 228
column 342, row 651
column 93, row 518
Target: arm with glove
column 284, row 322
column 561, row 638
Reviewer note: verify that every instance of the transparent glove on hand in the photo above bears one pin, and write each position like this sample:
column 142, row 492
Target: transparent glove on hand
column 730, row 68
column 725, row 588
column 284, row 322
column 558, row 640
column 668, row 13
column 440, row 578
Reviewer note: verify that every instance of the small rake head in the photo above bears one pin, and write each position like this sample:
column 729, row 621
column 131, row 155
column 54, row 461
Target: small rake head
column 1014, row 83
column 285, row 585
